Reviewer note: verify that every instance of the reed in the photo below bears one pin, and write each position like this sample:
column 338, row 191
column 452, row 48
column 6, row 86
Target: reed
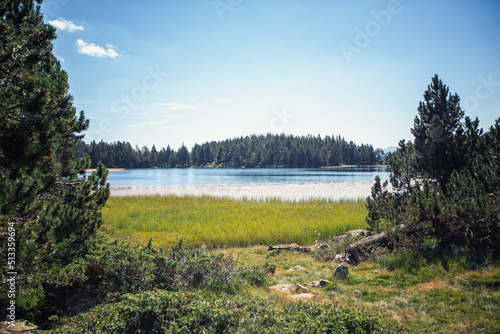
column 221, row 222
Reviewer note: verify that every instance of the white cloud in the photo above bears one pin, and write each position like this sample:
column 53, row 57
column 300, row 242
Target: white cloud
column 62, row 24
column 149, row 124
column 176, row 106
column 94, row 50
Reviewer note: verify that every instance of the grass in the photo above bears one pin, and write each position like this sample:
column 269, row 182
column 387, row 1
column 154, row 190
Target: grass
column 222, row 222
column 429, row 299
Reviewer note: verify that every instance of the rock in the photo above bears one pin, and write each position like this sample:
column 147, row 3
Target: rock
column 338, row 257
column 300, row 288
column 318, row 284
column 350, row 234
column 20, row 326
column 355, row 254
column 286, row 288
column 341, row 271
column 323, row 282
column 356, row 233
column 295, row 268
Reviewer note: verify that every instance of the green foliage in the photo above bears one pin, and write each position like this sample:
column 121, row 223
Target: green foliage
column 256, row 275
column 180, row 312
column 379, row 204
column 47, row 208
column 438, row 133
column 109, row 270
column 446, row 188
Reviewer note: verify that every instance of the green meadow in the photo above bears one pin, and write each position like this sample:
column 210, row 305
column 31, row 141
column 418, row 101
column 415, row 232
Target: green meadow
column 222, row 222
column 422, row 295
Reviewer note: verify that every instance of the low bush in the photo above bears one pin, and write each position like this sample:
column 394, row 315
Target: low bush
column 185, row 312
column 110, row 270
column 256, row 275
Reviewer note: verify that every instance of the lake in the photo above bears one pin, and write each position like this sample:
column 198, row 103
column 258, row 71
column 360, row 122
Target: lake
column 220, row 176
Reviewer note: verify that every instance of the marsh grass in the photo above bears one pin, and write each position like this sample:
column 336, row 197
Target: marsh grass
column 222, row 222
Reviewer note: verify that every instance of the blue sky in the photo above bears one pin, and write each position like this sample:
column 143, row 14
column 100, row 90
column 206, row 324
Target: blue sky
column 168, row 72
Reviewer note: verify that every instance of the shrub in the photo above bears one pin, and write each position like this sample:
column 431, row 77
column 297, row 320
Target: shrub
column 185, row 312
column 113, row 269
column 256, row 275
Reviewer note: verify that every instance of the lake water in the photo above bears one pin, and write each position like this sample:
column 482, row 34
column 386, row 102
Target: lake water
column 209, row 176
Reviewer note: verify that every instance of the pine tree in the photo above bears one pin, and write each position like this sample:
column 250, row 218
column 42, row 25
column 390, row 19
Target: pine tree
column 52, row 208
column 446, row 189
column 438, row 133
column 183, row 157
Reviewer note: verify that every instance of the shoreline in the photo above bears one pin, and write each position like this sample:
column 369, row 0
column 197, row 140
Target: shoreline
column 90, row 170
column 257, row 191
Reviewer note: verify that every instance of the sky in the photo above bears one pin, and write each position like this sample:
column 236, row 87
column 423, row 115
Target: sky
column 169, row 72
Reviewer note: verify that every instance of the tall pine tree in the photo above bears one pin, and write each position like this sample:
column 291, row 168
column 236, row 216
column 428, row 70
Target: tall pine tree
column 438, row 133
column 46, row 203
column 446, row 187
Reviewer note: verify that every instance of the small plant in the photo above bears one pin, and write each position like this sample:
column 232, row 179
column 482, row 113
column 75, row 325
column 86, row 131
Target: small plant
column 256, row 275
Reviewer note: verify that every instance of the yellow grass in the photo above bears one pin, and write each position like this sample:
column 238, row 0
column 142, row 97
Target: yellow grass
column 222, row 222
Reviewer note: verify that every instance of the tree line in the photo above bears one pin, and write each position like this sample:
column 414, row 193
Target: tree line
column 250, row 151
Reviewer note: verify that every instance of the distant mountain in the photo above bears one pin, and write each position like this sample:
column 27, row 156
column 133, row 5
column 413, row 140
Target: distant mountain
column 390, row 149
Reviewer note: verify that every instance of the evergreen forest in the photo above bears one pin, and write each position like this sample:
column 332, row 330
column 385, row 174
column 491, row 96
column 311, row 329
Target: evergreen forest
column 250, row 151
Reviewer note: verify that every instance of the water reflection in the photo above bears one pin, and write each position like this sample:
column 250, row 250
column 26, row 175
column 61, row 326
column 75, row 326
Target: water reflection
column 207, row 176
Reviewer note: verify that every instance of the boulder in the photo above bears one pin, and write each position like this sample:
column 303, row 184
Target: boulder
column 318, row 284
column 356, row 233
column 341, row 271
column 20, row 326
column 285, row 288
column 339, row 258
column 301, row 289
column 350, row 234
column 295, row 268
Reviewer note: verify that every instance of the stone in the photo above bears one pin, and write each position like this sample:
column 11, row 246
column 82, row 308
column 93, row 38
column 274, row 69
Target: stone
column 341, row 271
column 20, row 326
column 300, row 288
column 356, row 233
column 350, row 234
column 338, row 257
column 323, row 282
column 295, row 268
column 318, row 284
column 286, row 288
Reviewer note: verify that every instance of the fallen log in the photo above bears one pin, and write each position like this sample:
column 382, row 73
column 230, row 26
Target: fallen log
column 380, row 238
column 355, row 254
column 296, row 247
